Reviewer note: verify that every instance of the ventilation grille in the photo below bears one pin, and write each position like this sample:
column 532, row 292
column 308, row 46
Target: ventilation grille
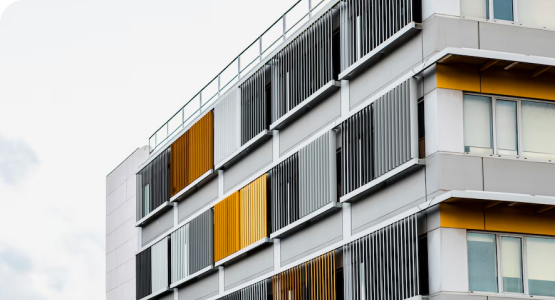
column 302, row 67
column 384, row 264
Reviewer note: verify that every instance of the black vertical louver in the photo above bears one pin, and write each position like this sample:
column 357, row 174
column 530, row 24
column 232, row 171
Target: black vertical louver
column 144, row 274
column 258, row 291
column 303, row 66
column 201, row 242
column 153, row 184
column 284, row 192
column 377, row 139
column 254, row 108
column 366, row 24
column 383, row 264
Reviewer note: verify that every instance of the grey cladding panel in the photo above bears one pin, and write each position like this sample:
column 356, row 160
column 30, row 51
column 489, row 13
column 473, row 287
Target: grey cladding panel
column 453, row 172
column 516, row 39
column 312, row 238
column 251, row 266
column 392, row 66
column 249, row 165
column 440, row 33
column 204, row 288
column 200, row 199
column 157, row 227
column 314, row 120
column 394, row 198
column 443, row 296
column 167, row 297
column 522, row 177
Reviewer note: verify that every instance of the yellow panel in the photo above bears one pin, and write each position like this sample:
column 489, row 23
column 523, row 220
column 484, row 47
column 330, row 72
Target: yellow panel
column 520, row 219
column 467, row 216
column 313, row 280
column 253, row 211
column 518, row 84
column 458, row 77
column 226, row 227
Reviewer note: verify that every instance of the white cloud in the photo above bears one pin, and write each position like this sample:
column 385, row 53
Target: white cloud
column 17, row 159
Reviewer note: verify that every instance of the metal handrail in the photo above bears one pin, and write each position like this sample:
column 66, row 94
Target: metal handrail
column 153, row 141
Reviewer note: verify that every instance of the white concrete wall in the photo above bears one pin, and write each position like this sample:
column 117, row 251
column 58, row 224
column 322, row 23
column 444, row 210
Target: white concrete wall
column 447, row 260
column 440, row 7
column 121, row 234
column 443, row 109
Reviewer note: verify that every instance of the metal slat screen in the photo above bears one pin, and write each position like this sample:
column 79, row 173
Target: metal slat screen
column 302, row 67
column 313, row 280
column 201, row 242
column 377, row 139
column 253, row 204
column 284, row 180
column 317, row 171
column 254, row 107
column 384, row 264
column 160, row 265
column 257, row 291
column 192, row 153
column 179, row 255
column 366, row 24
column 153, row 184
column 241, row 219
column 143, row 279
column 227, row 125
column 226, row 227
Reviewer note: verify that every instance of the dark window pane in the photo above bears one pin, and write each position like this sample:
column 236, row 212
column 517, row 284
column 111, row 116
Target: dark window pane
column 482, row 267
column 503, row 10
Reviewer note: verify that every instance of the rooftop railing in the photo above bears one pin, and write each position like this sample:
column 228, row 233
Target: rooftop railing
column 268, row 41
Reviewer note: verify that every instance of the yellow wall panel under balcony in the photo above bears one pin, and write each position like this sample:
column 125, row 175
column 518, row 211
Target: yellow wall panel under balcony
column 520, row 220
column 458, row 77
column 518, row 84
column 467, row 216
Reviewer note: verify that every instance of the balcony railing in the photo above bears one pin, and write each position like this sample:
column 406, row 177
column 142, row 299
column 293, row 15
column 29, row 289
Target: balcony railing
column 272, row 38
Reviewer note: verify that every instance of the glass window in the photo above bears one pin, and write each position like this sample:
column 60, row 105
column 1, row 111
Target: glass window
column 536, row 12
column 506, row 127
column 538, row 129
column 511, row 264
column 503, row 10
column 147, row 199
column 541, row 266
column 475, row 8
column 477, row 124
column 482, row 267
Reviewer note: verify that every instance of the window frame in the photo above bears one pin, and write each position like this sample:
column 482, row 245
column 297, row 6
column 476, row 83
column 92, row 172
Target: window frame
column 524, row 262
column 490, row 16
column 519, row 139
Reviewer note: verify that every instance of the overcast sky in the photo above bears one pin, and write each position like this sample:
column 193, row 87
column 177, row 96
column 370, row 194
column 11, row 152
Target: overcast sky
column 83, row 83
